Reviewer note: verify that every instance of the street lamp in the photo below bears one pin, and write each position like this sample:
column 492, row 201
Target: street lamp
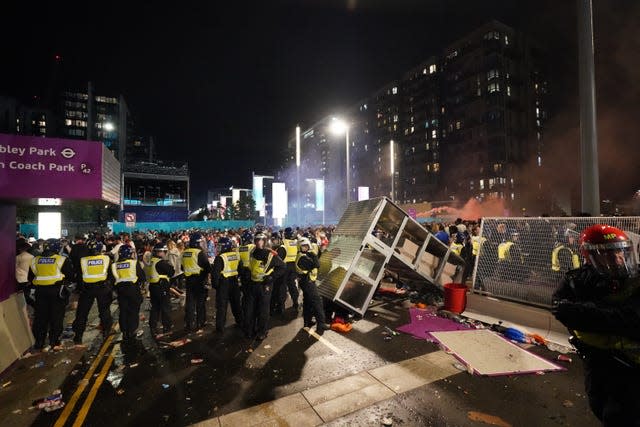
column 298, row 172
column 108, row 126
column 392, row 161
column 338, row 127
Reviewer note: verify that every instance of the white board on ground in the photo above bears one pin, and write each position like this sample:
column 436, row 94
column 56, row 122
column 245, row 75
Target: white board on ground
column 488, row 353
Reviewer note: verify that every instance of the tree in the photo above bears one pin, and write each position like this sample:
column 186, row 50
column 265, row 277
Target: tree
column 246, row 207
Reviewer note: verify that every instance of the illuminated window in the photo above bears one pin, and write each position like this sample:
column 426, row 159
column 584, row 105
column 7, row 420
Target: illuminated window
column 482, row 184
column 434, row 134
column 395, row 118
column 539, row 161
column 432, row 68
column 67, row 122
column 493, row 74
column 458, row 125
column 493, row 87
column 424, row 71
column 506, row 42
column 508, row 90
column 492, row 35
column 436, row 167
column 394, row 90
column 537, row 112
column 412, row 129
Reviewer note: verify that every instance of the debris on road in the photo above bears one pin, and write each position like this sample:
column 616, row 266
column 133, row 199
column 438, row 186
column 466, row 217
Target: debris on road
column 564, row 358
column 196, row 361
column 487, row 419
column 567, row 404
column 42, row 380
column 165, row 386
column 115, row 378
column 7, row 384
column 179, row 343
column 52, row 400
column 386, row 421
column 40, row 364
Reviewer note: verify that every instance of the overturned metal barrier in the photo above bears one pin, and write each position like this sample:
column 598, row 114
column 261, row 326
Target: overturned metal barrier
column 376, row 235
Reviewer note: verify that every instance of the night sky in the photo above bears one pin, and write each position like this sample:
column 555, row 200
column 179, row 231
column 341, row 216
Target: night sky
column 223, row 84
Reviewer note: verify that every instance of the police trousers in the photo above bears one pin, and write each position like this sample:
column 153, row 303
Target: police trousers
column 49, row 314
column 160, row 306
column 102, row 294
column 129, row 301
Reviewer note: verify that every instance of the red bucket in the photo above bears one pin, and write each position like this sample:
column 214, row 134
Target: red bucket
column 455, row 297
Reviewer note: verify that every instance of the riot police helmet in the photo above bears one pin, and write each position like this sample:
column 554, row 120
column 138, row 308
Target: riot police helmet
column 195, row 240
column 52, row 247
column 225, row 244
column 609, row 250
column 125, row 252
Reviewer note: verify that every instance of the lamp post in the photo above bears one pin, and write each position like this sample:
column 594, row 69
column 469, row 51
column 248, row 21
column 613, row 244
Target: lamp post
column 298, row 192
column 338, row 127
column 392, row 161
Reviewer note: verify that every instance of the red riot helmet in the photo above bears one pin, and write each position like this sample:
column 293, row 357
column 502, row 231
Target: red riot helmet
column 609, row 250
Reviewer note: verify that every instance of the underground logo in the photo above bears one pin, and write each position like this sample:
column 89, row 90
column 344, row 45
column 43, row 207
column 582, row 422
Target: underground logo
column 68, row 153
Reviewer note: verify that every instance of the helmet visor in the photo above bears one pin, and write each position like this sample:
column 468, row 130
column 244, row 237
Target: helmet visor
column 617, row 263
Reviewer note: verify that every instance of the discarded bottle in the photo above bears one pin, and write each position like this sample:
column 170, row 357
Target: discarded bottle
column 563, row 358
column 40, row 364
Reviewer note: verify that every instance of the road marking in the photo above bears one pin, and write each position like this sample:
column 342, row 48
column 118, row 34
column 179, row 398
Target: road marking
column 323, row 341
column 84, row 410
column 62, row 419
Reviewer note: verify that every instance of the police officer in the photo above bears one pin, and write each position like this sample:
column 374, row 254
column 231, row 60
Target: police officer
column 95, row 284
column 159, row 272
column 563, row 257
column 600, row 305
column 196, row 267
column 224, row 278
column 129, row 277
column 48, row 274
column 307, row 265
column 279, row 292
column 265, row 266
column 290, row 244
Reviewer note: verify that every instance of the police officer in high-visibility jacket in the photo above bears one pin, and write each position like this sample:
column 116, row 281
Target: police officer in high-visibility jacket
column 290, row 243
column 159, row 272
column 129, row 277
column 48, row 274
column 95, row 284
column 244, row 274
column 265, row 266
column 563, row 256
column 224, row 279
column 307, row 265
column 196, row 267
column 279, row 291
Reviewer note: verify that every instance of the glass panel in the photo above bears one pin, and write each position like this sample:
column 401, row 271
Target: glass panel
column 388, row 224
column 355, row 293
column 413, row 235
column 370, row 263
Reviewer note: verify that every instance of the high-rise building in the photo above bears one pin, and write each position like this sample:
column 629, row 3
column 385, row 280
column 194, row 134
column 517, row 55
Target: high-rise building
column 466, row 123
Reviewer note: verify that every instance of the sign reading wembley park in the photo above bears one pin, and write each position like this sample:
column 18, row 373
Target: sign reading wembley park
column 34, row 167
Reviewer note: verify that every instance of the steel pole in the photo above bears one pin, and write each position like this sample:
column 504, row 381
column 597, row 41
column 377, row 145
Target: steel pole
column 588, row 129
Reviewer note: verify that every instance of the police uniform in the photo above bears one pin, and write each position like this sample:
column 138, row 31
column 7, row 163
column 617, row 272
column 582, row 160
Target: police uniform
column 128, row 277
column 265, row 267
column 604, row 319
column 159, row 272
column 94, row 285
column 291, row 252
column 307, row 265
column 196, row 268
column 48, row 274
column 224, row 278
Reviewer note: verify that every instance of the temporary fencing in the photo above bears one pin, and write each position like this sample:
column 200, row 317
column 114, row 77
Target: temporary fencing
column 514, row 260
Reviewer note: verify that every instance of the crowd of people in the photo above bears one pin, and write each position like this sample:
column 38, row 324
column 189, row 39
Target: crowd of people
column 253, row 271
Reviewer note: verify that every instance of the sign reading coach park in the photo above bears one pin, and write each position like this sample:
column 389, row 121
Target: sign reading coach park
column 35, row 167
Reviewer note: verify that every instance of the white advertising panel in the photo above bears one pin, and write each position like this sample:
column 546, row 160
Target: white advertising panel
column 49, row 225
column 363, row 193
column 279, row 200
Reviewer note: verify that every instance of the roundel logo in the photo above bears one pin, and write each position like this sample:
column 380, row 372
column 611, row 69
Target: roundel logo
column 68, row 153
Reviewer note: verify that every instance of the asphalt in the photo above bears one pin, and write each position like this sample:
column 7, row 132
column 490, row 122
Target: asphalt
column 330, row 379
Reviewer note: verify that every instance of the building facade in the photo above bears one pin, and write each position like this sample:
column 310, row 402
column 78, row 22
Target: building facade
column 466, row 123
